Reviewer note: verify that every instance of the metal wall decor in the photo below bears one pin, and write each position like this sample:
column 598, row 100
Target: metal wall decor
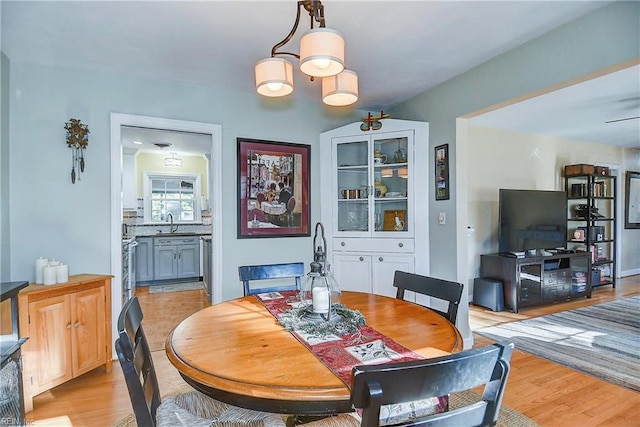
column 373, row 122
column 77, row 140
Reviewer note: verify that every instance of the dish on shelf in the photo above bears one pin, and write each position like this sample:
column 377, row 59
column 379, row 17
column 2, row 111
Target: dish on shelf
column 393, row 194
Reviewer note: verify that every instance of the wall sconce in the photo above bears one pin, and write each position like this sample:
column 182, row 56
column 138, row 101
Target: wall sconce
column 321, row 55
column 173, row 161
column 373, row 122
column 77, row 140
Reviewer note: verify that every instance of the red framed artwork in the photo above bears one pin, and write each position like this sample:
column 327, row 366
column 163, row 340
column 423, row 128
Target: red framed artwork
column 273, row 189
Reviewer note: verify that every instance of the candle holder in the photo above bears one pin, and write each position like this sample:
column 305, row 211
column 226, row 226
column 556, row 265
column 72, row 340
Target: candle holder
column 320, row 292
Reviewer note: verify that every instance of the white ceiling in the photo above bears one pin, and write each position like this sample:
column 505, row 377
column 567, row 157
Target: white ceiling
column 414, row 44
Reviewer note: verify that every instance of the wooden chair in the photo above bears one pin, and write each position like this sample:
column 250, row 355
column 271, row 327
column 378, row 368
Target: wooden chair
column 405, row 386
column 257, row 214
column 250, row 273
column 430, row 286
column 192, row 408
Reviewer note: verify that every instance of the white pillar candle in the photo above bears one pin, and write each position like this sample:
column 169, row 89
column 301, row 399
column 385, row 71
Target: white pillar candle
column 49, row 275
column 62, row 273
column 320, row 297
column 40, row 264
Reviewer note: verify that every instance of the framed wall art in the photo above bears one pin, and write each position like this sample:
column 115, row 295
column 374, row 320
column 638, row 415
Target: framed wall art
column 632, row 200
column 273, row 189
column 442, row 172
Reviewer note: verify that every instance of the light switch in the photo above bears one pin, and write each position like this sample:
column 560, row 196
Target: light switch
column 442, row 218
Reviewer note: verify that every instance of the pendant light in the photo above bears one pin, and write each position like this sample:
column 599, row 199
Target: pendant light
column 321, row 55
column 340, row 90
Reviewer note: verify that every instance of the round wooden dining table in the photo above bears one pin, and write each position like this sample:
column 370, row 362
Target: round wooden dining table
column 238, row 353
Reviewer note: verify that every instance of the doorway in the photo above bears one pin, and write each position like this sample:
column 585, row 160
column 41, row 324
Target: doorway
column 215, row 185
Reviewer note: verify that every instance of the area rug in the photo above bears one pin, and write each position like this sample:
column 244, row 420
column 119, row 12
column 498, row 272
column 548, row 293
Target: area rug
column 507, row 417
column 602, row 340
column 176, row 287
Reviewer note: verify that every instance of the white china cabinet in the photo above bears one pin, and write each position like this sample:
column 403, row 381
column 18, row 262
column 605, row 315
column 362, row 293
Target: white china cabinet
column 375, row 188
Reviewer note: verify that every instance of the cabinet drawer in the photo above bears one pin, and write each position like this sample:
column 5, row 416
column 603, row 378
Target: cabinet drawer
column 163, row 241
column 373, row 245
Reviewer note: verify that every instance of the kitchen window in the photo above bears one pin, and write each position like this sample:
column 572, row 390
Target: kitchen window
column 178, row 195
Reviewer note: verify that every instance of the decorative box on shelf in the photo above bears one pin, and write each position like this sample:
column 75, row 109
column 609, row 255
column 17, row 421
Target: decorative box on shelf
column 580, row 169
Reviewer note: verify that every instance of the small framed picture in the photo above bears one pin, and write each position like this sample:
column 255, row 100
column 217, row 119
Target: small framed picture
column 442, row 172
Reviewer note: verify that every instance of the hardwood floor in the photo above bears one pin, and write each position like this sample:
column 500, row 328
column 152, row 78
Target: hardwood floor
column 550, row 394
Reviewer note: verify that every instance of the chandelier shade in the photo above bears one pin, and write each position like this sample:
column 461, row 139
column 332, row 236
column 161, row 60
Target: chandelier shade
column 321, row 56
column 321, row 53
column 274, row 77
column 340, row 90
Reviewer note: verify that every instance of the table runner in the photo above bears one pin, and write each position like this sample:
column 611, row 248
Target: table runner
column 341, row 353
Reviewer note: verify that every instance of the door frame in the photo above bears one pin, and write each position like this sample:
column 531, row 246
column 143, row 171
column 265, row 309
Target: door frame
column 215, row 191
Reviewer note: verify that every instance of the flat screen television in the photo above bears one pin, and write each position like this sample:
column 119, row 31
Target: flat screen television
column 532, row 219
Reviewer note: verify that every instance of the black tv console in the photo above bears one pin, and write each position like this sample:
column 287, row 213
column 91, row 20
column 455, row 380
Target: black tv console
column 535, row 280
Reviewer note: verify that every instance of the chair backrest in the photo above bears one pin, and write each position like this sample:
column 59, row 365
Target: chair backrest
column 256, row 214
column 376, row 385
column 291, row 204
column 430, row 286
column 135, row 358
column 249, row 273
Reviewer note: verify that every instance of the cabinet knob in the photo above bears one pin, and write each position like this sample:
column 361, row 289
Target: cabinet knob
column 342, row 244
column 68, row 325
column 400, row 244
column 380, row 259
column 75, row 325
column 361, row 258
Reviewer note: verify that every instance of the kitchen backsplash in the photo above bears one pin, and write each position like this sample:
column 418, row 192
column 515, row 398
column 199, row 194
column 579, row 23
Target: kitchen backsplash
column 132, row 221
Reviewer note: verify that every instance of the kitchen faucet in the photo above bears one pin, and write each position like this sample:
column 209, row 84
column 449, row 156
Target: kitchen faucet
column 171, row 229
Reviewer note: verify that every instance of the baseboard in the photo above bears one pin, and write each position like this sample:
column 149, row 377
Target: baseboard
column 628, row 273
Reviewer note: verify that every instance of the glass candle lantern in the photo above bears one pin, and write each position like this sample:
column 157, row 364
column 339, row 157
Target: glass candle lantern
column 319, row 291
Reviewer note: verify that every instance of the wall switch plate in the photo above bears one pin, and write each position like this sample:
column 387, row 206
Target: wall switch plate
column 442, row 218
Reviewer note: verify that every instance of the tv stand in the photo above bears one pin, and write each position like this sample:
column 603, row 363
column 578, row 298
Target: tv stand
column 531, row 281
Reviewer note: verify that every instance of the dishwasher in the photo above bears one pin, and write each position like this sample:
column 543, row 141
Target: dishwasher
column 128, row 269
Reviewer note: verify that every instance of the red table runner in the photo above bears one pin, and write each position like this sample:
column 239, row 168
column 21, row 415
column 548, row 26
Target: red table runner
column 341, row 353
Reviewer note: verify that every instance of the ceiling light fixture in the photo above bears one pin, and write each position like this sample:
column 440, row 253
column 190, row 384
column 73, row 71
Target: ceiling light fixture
column 321, row 55
column 173, row 161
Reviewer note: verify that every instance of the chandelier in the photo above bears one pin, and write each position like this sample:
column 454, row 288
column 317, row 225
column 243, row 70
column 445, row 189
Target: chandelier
column 321, row 55
column 173, row 161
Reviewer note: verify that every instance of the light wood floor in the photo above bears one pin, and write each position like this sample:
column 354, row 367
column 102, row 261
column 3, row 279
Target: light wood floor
column 550, row 394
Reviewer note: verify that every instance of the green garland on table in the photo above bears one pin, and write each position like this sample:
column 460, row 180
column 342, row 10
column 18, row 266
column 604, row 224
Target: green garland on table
column 294, row 320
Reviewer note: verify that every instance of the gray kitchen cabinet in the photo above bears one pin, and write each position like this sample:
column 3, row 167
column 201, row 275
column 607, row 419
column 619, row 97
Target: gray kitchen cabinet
column 144, row 259
column 176, row 257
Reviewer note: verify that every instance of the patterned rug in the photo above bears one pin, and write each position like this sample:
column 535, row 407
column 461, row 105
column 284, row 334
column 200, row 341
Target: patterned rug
column 602, row 340
column 176, row 287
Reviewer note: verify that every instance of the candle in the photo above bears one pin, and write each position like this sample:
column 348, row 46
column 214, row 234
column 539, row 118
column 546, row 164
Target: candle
column 40, row 264
column 62, row 273
column 49, row 275
column 320, row 298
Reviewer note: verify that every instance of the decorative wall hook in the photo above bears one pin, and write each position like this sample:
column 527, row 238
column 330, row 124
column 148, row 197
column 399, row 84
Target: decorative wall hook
column 77, row 140
column 373, row 122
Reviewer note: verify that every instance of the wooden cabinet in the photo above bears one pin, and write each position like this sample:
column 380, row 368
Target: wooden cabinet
column 375, row 192
column 69, row 331
column 537, row 280
column 176, row 257
column 144, row 259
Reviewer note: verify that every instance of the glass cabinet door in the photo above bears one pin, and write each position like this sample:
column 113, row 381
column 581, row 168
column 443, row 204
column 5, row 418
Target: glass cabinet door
column 391, row 175
column 372, row 183
column 352, row 156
